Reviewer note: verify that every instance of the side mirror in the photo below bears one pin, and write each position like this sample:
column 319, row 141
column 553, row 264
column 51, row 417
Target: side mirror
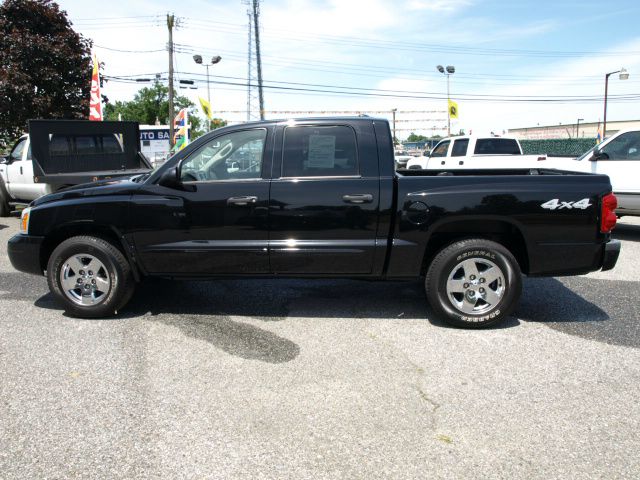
column 598, row 155
column 3, row 160
column 170, row 179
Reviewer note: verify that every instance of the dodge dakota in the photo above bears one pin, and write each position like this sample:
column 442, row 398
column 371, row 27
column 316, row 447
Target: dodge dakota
column 318, row 197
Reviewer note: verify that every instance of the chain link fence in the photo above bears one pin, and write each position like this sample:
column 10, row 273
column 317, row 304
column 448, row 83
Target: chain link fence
column 557, row 147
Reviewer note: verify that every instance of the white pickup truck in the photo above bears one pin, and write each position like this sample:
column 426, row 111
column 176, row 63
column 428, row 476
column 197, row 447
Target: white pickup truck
column 618, row 157
column 61, row 153
column 474, row 152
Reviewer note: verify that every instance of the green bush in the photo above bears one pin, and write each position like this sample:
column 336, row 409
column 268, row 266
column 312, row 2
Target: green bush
column 557, row 147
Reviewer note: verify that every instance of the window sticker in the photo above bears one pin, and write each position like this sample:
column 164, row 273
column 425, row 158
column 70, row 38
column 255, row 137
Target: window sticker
column 322, row 151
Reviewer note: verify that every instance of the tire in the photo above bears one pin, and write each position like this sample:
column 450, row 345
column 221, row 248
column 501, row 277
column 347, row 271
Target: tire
column 99, row 272
column 5, row 209
column 473, row 283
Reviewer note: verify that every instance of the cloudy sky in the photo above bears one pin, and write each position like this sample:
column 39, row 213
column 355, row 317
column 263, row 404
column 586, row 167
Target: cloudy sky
column 518, row 62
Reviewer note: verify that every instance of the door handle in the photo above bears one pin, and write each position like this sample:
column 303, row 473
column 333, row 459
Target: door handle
column 358, row 198
column 241, row 201
column 20, row 170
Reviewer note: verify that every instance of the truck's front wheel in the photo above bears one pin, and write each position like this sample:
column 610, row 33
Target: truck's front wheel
column 5, row 209
column 90, row 277
column 473, row 283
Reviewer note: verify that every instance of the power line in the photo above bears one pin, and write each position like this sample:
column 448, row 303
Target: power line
column 460, row 96
column 360, row 41
column 429, row 96
column 129, row 51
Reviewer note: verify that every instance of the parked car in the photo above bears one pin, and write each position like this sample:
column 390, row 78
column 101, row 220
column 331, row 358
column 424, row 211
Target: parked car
column 325, row 202
column 474, row 152
column 60, row 153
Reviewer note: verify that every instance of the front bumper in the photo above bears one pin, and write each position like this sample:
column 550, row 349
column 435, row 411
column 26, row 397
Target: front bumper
column 611, row 252
column 24, row 253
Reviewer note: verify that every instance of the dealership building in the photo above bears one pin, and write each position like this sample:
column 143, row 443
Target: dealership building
column 572, row 130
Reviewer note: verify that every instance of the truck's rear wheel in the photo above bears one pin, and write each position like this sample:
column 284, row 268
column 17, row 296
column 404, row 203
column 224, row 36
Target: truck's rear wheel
column 90, row 277
column 473, row 283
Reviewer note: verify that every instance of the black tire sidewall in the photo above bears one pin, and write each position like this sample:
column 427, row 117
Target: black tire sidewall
column 496, row 253
column 5, row 210
column 117, row 293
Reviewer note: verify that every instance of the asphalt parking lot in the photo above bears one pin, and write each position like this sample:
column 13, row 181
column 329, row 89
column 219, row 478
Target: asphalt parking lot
column 321, row 379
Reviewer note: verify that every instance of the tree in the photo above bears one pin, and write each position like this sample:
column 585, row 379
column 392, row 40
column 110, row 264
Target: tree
column 416, row 138
column 44, row 66
column 152, row 103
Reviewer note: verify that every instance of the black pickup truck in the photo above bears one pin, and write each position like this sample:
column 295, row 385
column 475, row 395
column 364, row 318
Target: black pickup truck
column 318, row 198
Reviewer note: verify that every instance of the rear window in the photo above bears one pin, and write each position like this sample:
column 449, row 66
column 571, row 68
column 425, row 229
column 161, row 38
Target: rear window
column 497, row 146
column 61, row 145
column 319, row 152
column 460, row 147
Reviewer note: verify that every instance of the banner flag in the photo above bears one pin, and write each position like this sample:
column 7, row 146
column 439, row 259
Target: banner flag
column 206, row 108
column 453, row 109
column 181, row 135
column 95, row 101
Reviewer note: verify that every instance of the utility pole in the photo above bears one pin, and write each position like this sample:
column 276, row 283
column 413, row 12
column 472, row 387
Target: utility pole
column 578, row 126
column 170, row 25
column 394, row 110
column 256, row 26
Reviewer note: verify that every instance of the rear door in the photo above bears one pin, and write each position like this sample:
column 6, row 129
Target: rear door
column 323, row 207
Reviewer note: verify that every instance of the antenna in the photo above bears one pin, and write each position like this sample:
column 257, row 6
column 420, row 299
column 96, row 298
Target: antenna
column 255, row 98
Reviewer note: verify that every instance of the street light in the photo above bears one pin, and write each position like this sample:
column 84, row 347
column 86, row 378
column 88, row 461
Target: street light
column 214, row 60
column 624, row 75
column 450, row 70
column 578, row 125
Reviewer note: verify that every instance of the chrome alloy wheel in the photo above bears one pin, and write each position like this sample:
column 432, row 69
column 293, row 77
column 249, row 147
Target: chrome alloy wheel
column 475, row 286
column 84, row 279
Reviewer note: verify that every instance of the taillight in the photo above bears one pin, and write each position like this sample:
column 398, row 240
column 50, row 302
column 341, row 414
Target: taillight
column 608, row 216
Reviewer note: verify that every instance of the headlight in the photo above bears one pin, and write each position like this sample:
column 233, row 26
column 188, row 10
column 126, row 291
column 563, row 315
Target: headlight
column 24, row 220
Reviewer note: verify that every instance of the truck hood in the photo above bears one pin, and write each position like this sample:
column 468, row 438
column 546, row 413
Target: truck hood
column 120, row 186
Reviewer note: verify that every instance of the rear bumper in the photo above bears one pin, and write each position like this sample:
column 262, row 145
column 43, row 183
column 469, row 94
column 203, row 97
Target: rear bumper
column 611, row 252
column 24, row 253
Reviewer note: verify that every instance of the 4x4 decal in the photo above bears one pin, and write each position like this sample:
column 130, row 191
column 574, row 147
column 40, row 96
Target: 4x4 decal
column 556, row 204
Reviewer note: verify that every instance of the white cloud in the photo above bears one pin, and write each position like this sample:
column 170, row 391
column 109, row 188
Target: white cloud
column 438, row 5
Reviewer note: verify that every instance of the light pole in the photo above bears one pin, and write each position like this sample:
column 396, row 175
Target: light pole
column 578, row 125
column 624, row 75
column 214, row 60
column 450, row 70
column 393, row 111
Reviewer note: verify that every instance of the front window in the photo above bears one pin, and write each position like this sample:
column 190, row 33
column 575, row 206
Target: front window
column 441, row 149
column 234, row 156
column 16, row 154
column 624, row 147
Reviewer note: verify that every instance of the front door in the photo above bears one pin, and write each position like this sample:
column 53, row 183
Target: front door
column 219, row 224
column 323, row 210
column 16, row 183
